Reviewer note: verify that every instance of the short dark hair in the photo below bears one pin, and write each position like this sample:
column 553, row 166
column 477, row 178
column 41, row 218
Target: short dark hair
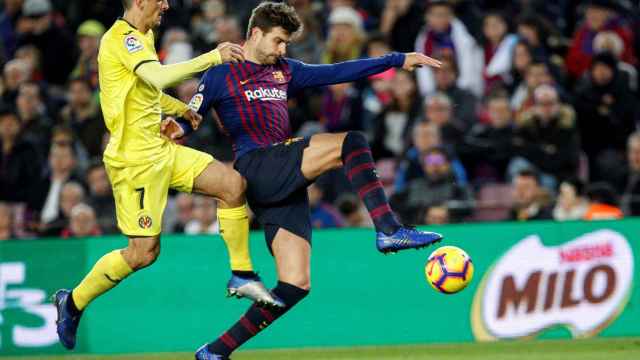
column 530, row 173
column 271, row 14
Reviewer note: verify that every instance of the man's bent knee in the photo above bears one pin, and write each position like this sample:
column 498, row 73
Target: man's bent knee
column 234, row 188
column 142, row 252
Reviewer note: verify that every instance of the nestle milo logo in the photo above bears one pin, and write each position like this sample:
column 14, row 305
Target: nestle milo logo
column 583, row 285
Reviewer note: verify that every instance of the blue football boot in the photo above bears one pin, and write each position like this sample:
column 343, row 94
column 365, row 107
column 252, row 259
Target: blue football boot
column 253, row 289
column 405, row 238
column 204, row 354
column 66, row 324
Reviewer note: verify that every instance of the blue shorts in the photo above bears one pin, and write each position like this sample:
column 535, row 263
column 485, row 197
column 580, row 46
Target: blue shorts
column 276, row 188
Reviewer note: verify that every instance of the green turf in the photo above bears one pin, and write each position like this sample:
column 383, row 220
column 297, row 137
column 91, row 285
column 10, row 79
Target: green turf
column 600, row 349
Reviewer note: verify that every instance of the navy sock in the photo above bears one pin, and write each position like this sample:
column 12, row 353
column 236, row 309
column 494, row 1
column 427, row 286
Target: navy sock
column 71, row 306
column 244, row 274
column 361, row 172
column 256, row 319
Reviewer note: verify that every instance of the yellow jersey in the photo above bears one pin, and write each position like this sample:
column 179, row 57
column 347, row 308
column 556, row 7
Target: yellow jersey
column 130, row 106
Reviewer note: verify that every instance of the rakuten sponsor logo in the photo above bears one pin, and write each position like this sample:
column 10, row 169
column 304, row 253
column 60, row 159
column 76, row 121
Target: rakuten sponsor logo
column 583, row 284
column 263, row 94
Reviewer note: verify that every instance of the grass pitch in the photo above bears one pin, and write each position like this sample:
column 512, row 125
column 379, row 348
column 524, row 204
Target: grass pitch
column 609, row 349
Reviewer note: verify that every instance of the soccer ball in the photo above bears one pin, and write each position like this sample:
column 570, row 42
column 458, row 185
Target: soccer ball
column 449, row 269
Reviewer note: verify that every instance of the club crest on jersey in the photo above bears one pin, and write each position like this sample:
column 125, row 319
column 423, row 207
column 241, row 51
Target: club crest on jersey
column 278, row 76
column 196, row 102
column 144, row 221
column 132, row 44
column 263, row 94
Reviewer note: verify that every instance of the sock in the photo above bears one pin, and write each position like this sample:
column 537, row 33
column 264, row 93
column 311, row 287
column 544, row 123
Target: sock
column 234, row 228
column 256, row 319
column 361, row 171
column 244, row 274
column 71, row 306
column 105, row 275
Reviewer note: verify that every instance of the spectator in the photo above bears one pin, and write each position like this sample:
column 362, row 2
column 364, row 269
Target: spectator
column 19, row 161
column 522, row 58
column 83, row 115
column 62, row 135
column 204, row 217
column 605, row 105
column 305, row 48
column 436, row 215
column 62, row 164
column 88, row 34
column 353, row 212
column 31, row 55
column 438, row 186
column 8, row 23
column 6, row 222
column 346, row 36
column 439, row 111
column 446, row 77
column 323, row 215
column 425, row 136
column 546, row 139
column 609, row 41
column 537, row 74
column 175, row 46
column 444, row 36
column 16, row 72
column 37, row 28
column 603, row 204
column 101, row 198
column 529, row 199
column 498, row 50
column 228, row 29
column 341, row 108
column 72, row 194
column 36, row 124
column 629, row 181
column 487, row 148
column 203, row 27
column 394, row 123
column 400, row 22
column 600, row 15
column 571, row 203
column 82, row 223
column 184, row 207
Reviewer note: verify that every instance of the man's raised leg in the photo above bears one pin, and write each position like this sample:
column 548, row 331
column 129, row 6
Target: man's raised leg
column 108, row 272
column 351, row 151
column 292, row 255
column 226, row 184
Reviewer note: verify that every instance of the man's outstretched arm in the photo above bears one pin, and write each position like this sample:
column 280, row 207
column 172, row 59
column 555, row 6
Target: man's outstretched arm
column 163, row 76
column 304, row 75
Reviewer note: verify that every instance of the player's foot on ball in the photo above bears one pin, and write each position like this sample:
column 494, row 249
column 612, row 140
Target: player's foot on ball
column 67, row 323
column 252, row 288
column 204, row 354
column 405, row 238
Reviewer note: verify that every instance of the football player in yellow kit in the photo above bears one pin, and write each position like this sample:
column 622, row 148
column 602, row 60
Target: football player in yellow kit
column 142, row 165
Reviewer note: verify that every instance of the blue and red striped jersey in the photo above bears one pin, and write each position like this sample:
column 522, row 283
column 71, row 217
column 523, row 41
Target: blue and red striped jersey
column 251, row 99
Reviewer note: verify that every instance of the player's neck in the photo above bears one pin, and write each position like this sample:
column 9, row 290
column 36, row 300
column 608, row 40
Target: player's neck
column 250, row 53
column 137, row 20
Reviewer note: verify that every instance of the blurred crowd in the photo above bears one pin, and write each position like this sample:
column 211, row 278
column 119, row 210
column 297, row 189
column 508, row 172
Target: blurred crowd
column 533, row 114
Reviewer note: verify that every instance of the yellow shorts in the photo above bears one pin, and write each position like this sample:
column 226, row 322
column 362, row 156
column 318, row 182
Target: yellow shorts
column 141, row 191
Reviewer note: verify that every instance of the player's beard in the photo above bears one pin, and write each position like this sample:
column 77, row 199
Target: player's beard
column 266, row 58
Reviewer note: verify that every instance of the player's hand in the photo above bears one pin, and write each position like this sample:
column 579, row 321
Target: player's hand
column 415, row 60
column 194, row 118
column 231, row 52
column 170, row 128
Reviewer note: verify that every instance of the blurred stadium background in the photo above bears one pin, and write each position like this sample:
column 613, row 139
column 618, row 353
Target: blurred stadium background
column 522, row 149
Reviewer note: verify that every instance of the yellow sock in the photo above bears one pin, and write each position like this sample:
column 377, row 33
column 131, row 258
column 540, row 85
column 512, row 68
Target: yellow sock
column 234, row 228
column 105, row 275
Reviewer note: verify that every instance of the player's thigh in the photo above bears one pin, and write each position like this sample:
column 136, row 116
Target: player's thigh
column 187, row 166
column 322, row 154
column 140, row 194
column 223, row 182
